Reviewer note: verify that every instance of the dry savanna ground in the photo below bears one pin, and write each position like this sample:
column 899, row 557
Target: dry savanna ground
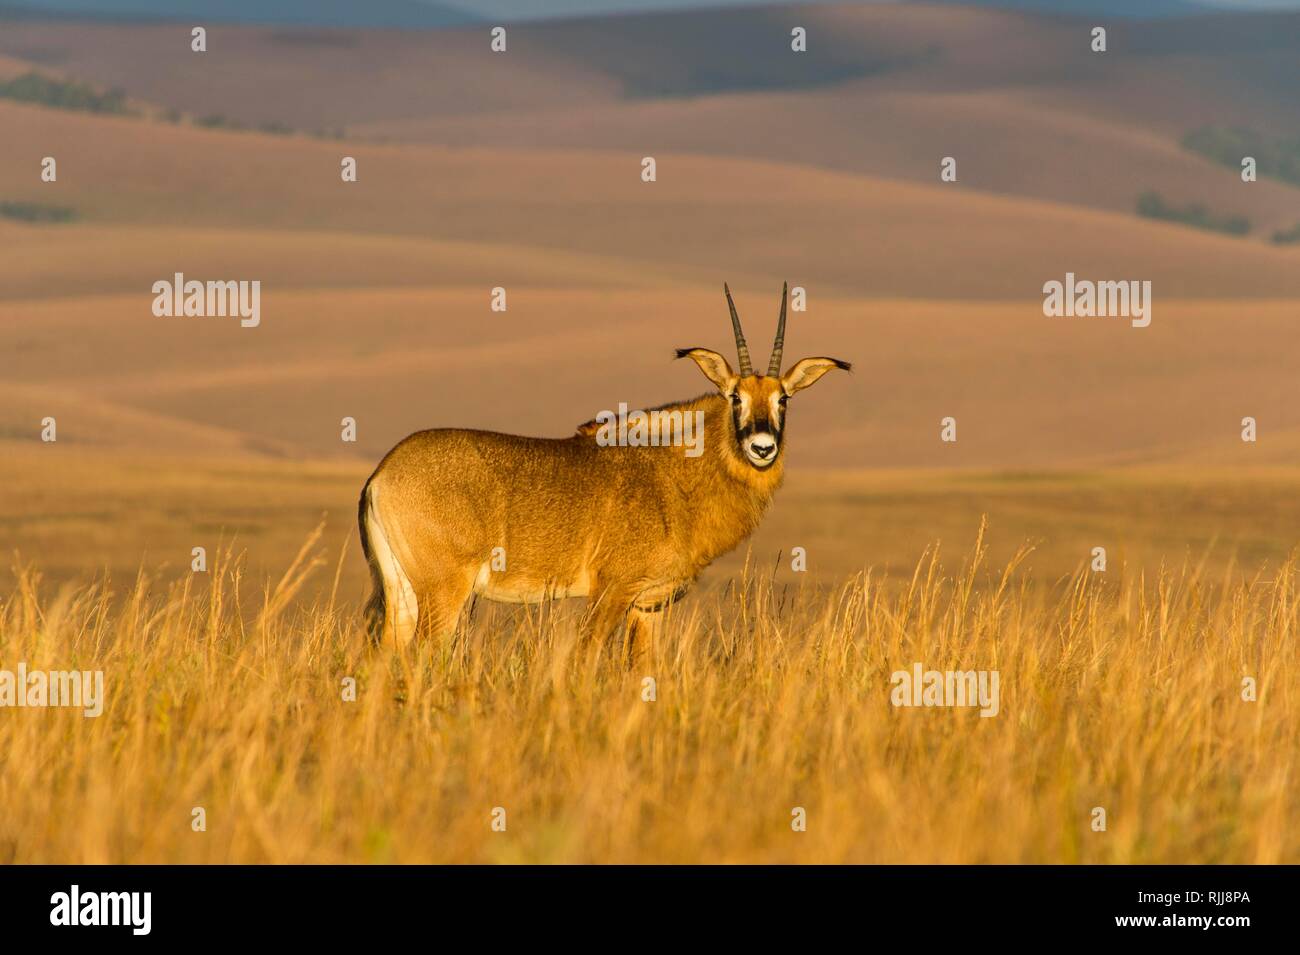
column 226, row 689
column 1122, row 692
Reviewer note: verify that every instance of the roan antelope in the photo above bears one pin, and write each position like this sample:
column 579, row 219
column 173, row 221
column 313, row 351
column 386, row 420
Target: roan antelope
column 628, row 527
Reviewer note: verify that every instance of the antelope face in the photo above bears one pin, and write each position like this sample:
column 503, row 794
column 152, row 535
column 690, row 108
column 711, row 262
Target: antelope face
column 758, row 418
column 758, row 402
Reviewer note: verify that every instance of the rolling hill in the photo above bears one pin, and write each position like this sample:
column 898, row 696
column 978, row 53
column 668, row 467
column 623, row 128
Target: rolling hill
column 884, row 90
column 417, row 14
column 527, row 177
column 705, row 217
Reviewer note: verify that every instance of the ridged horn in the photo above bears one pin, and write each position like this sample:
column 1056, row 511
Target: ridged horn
column 774, row 366
column 742, row 350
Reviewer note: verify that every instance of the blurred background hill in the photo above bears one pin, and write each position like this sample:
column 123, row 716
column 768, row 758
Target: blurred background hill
column 522, row 170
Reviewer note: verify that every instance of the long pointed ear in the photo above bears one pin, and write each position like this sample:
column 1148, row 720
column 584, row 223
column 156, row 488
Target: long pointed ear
column 807, row 370
column 714, row 366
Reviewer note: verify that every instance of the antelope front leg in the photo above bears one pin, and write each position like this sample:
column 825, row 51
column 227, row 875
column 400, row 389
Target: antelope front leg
column 643, row 629
column 605, row 616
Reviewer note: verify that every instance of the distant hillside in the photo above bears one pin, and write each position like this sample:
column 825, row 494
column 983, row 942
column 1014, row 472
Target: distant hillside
column 415, row 13
column 885, row 90
column 523, row 171
column 1128, row 9
column 326, row 13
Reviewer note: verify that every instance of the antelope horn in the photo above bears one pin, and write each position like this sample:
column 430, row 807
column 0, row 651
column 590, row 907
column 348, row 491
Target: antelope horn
column 774, row 366
column 742, row 350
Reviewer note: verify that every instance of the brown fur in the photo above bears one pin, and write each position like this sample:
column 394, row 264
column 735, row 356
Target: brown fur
column 642, row 522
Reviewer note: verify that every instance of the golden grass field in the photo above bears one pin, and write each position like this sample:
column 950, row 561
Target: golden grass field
column 224, row 689
column 1120, row 690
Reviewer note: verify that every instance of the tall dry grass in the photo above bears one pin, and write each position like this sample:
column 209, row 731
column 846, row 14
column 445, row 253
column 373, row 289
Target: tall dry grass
column 1117, row 691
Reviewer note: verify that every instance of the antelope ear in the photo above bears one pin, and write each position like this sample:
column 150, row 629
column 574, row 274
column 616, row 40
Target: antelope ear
column 714, row 366
column 807, row 370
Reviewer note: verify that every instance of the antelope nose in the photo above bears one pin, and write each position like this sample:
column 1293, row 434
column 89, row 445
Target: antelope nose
column 763, row 448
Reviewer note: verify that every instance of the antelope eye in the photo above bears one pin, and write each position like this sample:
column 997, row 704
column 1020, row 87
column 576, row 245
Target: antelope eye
column 782, row 400
column 735, row 401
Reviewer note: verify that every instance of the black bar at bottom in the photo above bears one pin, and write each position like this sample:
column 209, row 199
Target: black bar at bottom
column 735, row 905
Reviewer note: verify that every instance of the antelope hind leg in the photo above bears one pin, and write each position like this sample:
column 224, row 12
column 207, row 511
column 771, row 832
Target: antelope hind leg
column 401, row 611
column 441, row 604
